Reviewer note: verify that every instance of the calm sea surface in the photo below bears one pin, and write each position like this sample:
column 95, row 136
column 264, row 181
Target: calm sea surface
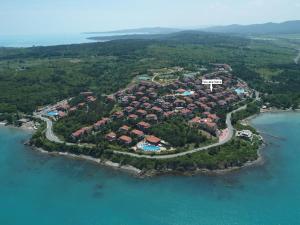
column 38, row 189
column 50, row 39
column 42, row 40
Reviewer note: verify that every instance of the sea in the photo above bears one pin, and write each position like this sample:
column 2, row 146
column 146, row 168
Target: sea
column 43, row 40
column 23, row 41
column 38, row 189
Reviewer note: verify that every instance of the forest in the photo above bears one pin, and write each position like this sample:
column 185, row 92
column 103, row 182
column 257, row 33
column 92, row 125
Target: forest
column 33, row 77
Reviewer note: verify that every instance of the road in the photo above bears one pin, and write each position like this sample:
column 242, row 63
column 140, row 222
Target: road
column 49, row 131
column 53, row 138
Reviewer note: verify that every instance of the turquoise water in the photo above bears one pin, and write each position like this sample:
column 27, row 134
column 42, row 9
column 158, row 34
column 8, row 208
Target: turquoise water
column 187, row 93
column 150, row 148
column 52, row 113
column 239, row 91
column 45, row 190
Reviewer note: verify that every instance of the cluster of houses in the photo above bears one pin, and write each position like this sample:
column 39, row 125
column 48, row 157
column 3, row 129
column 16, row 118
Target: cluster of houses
column 147, row 103
column 63, row 108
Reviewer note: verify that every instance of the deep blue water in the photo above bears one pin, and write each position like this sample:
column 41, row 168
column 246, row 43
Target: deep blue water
column 46, row 190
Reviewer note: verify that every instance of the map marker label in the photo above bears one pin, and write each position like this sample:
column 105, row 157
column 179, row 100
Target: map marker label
column 211, row 82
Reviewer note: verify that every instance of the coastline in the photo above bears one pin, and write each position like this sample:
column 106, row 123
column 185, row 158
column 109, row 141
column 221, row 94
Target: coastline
column 23, row 128
column 151, row 173
column 127, row 168
column 219, row 172
column 141, row 173
column 271, row 110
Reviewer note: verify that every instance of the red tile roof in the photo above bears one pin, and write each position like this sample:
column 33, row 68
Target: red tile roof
column 125, row 128
column 153, row 140
column 132, row 116
column 142, row 112
column 195, row 120
column 81, row 131
column 111, row 135
column 185, row 111
column 61, row 114
column 144, row 125
column 157, row 109
column 137, row 132
column 101, row 122
column 125, row 139
column 180, row 90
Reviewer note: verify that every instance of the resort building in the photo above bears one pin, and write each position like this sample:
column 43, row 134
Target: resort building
column 245, row 134
column 153, row 140
column 111, row 136
column 124, row 129
column 125, row 140
column 137, row 133
column 143, row 126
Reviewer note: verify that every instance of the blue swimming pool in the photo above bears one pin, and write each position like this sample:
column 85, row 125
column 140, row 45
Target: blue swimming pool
column 150, row 148
column 187, row 93
column 52, row 113
column 240, row 91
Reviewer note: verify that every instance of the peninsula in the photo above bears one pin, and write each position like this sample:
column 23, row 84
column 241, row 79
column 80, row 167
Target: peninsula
column 164, row 115
column 175, row 103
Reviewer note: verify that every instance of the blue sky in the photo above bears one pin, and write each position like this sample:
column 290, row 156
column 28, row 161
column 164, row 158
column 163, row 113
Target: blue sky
column 71, row 16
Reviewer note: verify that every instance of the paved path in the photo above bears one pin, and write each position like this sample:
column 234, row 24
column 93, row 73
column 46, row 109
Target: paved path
column 52, row 137
column 49, row 131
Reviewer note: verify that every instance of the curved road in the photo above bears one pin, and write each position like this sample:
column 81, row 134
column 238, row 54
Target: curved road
column 52, row 137
column 49, row 131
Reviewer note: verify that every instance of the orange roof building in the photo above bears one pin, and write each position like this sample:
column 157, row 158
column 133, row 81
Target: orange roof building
column 153, row 140
column 125, row 140
column 137, row 133
column 144, row 125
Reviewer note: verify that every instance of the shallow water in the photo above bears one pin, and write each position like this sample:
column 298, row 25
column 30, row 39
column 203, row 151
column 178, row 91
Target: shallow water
column 46, row 190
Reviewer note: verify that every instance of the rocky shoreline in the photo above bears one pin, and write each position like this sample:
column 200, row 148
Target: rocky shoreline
column 218, row 172
column 150, row 173
column 108, row 163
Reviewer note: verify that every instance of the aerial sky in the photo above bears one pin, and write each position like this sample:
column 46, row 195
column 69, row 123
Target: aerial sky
column 72, row 16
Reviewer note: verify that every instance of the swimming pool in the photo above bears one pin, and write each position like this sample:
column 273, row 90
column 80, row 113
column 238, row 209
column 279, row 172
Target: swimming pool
column 52, row 113
column 239, row 91
column 149, row 148
column 187, row 93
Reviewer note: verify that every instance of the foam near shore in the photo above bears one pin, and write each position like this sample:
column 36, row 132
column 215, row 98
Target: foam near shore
column 127, row 168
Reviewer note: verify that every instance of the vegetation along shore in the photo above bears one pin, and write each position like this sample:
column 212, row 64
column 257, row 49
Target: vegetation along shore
column 140, row 105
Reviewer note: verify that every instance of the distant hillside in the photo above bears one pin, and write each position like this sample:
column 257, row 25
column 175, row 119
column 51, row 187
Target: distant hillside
column 289, row 27
column 149, row 30
column 192, row 36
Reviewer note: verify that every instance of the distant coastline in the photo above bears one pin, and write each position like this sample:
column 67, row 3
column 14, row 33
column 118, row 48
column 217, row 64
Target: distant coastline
column 25, row 41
